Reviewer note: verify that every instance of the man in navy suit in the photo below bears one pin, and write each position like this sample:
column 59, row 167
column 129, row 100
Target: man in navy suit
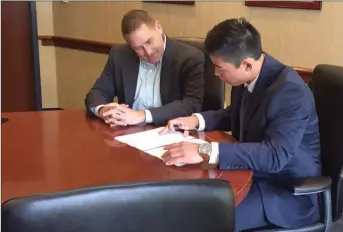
column 273, row 117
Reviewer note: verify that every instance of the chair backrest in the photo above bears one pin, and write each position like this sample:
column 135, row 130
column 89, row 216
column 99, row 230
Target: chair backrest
column 180, row 205
column 214, row 97
column 327, row 87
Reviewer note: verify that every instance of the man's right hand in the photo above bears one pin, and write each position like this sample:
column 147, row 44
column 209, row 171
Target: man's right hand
column 111, row 109
column 183, row 123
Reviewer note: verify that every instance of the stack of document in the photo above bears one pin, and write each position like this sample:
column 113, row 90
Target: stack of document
column 152, row 142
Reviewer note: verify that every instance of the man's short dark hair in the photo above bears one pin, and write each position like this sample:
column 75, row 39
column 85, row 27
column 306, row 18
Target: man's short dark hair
column 234, row 40
column 134, row 19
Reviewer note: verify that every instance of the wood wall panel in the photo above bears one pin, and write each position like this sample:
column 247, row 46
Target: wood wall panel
column 18, row 90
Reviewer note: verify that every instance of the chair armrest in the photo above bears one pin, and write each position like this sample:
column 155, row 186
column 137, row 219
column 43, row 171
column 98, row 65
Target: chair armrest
column 305, row 186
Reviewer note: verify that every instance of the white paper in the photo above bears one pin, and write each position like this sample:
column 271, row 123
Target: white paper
column 151, row 139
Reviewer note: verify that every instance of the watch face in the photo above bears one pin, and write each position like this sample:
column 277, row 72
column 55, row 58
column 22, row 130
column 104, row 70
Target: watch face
column 205, row 148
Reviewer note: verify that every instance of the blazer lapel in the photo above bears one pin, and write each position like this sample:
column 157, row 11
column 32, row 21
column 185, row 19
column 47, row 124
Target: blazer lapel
column 166, row 71
column 130, row 76
column 253, row 103
column 269, row 72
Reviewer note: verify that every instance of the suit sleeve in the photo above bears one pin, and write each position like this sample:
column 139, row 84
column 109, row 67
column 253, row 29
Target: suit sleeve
column 288, row 116
column 103, row 90
column 217, row 120
column 193, row 91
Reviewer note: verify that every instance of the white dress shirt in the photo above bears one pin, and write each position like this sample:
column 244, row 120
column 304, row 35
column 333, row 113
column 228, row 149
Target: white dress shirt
column 214, row 156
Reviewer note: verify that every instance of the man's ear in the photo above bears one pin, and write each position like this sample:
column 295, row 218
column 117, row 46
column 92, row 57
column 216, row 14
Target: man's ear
column 158, row 26
column 247, row 64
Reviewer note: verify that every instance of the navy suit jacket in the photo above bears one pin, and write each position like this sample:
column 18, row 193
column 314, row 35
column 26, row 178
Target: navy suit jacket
column 280, row 141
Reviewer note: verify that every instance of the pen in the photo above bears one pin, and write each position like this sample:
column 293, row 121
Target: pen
column 178, row 128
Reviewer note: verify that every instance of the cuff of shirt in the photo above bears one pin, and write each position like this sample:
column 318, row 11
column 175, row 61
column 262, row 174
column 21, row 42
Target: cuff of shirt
column 95, row 110
column 148, row 116
column 201, row 121
column 214, row 157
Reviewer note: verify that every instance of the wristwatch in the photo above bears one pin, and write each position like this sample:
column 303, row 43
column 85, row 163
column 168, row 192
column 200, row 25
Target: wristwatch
column 205, row 149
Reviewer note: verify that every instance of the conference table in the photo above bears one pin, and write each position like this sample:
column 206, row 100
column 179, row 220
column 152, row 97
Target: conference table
column 52, row 151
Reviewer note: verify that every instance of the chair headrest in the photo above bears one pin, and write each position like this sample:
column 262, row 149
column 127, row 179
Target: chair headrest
column 330, row 74
column 214, row 88
column 193, row 41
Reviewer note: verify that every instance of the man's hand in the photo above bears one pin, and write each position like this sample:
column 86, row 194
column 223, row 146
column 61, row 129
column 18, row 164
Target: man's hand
column 183, row 123
column 122, row 115
column 182, row 153
column 109, row 107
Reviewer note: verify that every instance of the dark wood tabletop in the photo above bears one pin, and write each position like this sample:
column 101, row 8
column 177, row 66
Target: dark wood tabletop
column 50, row 151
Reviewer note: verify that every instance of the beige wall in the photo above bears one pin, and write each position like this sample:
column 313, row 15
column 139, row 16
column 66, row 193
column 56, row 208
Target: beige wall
column 47, row 56
column 77, row 72
column 296, row 37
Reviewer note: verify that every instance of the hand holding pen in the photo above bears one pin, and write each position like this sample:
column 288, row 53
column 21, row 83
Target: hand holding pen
column 183, row 124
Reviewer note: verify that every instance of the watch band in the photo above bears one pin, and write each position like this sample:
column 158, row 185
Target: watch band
column 205, row 157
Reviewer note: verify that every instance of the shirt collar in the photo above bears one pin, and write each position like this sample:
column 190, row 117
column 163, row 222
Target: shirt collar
column 165, row 40
column 251, row 85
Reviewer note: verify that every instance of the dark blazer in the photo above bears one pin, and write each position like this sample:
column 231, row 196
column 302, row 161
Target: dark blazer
column 280, row 140
column 181, row 84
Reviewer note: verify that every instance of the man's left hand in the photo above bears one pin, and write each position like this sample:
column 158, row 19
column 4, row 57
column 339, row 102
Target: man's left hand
column 182, row 153
column 128, row 116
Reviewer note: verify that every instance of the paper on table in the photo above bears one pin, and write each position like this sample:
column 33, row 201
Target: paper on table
column 151, row 139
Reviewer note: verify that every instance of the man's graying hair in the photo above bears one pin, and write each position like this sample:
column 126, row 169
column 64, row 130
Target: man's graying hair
column 234, row 40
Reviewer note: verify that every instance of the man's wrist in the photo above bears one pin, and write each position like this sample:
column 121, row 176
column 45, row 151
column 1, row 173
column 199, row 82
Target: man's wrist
column 142, row 116
column 148, row 117
column 214, row 156
column 99, row 111
column 200, row 122
column 197, row 122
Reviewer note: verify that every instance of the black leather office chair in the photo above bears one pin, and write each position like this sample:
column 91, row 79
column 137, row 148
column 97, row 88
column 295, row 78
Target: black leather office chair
column 328, row 92
column 327, row 87
column 214, row 97
column 168, row 206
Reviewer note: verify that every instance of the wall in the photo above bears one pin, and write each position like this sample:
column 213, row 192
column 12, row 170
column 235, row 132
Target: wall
column 47, row 56
column 296, row 37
